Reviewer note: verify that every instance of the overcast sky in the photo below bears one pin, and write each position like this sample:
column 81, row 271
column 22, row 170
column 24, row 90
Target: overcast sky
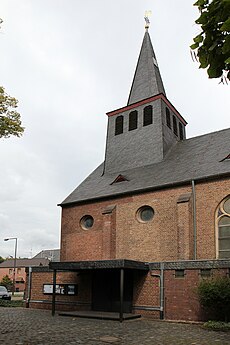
column 68, row 62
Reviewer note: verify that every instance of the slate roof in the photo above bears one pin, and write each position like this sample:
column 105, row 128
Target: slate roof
column 192, row 159
column 99, row 264
column 147, row 80
column 24, row 263
column 51, row 254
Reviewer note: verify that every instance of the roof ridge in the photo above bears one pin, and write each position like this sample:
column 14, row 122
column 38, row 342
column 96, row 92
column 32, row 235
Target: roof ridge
column 206, row 134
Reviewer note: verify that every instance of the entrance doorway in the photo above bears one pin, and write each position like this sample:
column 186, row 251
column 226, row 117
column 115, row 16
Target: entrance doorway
column 106, row 291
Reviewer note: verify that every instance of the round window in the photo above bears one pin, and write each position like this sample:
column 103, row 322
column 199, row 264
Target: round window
column 145, row 214
column 87, row 222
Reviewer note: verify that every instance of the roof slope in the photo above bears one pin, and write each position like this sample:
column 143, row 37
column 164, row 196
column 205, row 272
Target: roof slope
column 192, row 159
column 147, row 80
column 51, row 254
column 24, row 263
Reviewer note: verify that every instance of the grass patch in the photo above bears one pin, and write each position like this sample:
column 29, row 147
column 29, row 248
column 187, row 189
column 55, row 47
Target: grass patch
column 217, row 326
column 6, row 303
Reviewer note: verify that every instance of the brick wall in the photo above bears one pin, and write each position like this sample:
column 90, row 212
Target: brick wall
column 63, row 302
column 118, row 234
column 169, row 236
column 181, row 301
column 180, row 296
column 20, row 276
column 208, row 197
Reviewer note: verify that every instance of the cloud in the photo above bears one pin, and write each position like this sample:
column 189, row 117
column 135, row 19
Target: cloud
column 68, row 63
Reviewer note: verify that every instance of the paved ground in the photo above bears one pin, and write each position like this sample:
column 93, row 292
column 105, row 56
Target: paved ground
column 20, row 326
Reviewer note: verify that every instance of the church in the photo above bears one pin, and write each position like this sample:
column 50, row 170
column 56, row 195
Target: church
column 149, row 223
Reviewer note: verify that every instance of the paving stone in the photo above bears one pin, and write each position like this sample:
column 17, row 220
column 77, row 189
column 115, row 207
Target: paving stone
column 19, row 326
column 109, row 339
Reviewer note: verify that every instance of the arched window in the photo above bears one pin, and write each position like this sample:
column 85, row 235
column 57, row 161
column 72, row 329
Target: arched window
column 148, row 115
column 168, row 119
column 175, row 130
column 119, row 125
column 181, row 131
column 133, row 120
column 223, row 229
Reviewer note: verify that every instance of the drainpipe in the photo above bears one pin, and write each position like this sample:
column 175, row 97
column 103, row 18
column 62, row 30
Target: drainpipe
column 162, row 291
column 29, row 288
column 161, row 277
column 194, row 218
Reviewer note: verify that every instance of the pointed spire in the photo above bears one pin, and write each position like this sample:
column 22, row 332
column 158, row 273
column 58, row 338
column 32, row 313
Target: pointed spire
column 147, row 80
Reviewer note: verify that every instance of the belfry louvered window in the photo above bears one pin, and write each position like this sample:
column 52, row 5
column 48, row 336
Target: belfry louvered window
column 119, row 125
column 223, row 229
column 148, row 115
column 133, row 120
column 175, row 130
column 168, row 118
column 181, row 131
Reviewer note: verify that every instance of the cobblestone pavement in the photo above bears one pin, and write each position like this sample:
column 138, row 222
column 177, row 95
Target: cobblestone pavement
column 20, row 326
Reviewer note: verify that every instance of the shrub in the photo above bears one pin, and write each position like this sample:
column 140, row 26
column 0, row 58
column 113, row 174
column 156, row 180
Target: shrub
column 217, row 326
column 214, row 296
column 5, row 303
column 7, row 282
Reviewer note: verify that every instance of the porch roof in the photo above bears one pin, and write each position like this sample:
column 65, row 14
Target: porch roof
column 99, row 264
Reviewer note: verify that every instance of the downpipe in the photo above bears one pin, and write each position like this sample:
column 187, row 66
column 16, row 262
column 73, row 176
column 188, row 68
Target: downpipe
column 29, row 288
column 194, row 220
column 161, row 280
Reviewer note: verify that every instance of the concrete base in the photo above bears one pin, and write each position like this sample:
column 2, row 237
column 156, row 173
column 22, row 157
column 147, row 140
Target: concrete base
column 100, row 315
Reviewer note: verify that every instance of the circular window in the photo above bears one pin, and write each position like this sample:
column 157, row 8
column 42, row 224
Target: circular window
column 86, row 222
column 145, row 214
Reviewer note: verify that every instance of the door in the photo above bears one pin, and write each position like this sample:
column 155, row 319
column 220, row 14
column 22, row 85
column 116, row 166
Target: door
column 106, row 290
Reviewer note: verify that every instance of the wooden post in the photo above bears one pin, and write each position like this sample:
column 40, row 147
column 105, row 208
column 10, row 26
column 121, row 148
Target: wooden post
column 121, row 294
column 54, row 292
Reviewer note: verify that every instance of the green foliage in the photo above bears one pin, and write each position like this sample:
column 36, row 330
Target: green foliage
column 212, row 46
column 12, row 303
column 7, row 282
column 214, row 296
column 1, row 259
column 217, row 326
column 10, row 122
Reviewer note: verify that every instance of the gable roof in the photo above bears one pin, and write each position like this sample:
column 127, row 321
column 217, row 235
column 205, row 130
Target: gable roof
column 24, row 263
column 51, row 254
column 192, row 159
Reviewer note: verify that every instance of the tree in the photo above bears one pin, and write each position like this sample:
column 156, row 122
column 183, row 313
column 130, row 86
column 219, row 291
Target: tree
column 1, row 259
column 10, row 121
column 212, row 45
column 214, row 296
column 7, row 282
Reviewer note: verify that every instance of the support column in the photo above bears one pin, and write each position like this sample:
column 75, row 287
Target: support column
column 54, row 291
column 121, row 294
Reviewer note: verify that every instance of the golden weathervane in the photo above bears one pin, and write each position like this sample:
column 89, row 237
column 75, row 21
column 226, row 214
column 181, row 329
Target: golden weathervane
column 146, row 17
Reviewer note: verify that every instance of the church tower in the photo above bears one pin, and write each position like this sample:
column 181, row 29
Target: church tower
column 142, row 132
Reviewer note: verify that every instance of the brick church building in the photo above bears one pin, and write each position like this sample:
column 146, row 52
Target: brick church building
column 141, row 231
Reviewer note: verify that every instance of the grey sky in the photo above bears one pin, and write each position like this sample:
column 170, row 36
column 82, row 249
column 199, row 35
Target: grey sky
column 68, row 62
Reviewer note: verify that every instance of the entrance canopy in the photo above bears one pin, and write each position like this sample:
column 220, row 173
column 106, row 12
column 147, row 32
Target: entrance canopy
column 102, row 266
column 98, row 264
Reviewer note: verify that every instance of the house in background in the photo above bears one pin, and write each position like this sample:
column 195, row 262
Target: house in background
column 141, row 231
column 51, row 254
column 7, row 268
